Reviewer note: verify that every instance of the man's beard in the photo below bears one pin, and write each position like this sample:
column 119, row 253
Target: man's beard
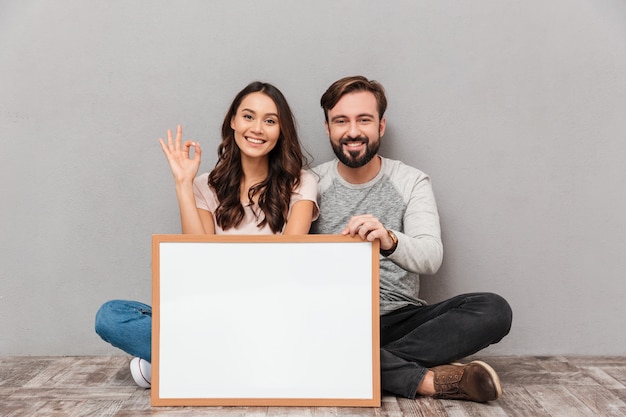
column 354, row 159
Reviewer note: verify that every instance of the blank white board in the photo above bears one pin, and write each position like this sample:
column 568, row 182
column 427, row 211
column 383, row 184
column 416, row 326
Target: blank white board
column 265, row 320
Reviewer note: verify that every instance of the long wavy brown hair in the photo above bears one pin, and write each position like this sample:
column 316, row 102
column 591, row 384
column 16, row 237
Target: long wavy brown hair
column 285, row 163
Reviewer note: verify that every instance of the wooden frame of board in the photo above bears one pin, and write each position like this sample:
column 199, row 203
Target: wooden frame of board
column 265, row 321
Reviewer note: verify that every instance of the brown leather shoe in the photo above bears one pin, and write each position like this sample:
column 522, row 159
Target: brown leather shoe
column 475, row 381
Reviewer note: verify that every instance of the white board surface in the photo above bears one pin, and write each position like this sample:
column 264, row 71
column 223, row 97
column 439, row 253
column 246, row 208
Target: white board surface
column 266, row 321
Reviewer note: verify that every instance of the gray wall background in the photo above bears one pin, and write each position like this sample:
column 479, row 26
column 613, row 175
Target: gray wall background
column 515, row 108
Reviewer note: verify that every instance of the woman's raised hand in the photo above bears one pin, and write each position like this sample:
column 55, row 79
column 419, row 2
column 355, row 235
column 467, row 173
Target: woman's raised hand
column 184, row 167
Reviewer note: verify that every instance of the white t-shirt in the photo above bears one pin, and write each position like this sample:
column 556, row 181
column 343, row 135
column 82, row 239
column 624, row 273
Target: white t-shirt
column 207, row 200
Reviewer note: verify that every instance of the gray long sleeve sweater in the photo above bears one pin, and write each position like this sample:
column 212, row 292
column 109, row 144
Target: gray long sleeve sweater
column 401, row 197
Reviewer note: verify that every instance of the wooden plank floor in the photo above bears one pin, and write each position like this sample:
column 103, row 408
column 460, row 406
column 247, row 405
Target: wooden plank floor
column 101, row 386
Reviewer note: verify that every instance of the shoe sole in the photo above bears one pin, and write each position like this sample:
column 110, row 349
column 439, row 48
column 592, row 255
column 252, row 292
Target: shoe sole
column 492, row 373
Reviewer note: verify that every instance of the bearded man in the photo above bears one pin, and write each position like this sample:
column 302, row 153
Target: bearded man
column 362, row 193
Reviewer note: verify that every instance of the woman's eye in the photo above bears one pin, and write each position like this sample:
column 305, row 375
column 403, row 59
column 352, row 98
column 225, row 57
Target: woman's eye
column 271, row 121
column 247, row 116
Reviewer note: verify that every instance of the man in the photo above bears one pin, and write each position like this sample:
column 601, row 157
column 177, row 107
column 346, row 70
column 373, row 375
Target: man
column 362, row 193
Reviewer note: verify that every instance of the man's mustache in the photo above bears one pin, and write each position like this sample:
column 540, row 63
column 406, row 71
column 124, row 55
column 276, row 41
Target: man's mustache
column 362, row 139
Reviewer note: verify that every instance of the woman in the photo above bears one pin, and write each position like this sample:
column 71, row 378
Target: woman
column 258, row 186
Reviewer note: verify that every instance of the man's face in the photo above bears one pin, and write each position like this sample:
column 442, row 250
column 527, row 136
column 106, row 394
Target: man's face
column 355, row 129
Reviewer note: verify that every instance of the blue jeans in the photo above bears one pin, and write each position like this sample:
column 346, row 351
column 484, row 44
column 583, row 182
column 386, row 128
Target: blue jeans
column 412, row 338
column 127, row 325
column 415, row 338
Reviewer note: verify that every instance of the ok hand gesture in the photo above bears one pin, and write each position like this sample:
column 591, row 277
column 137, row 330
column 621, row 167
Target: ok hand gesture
column 184, row 168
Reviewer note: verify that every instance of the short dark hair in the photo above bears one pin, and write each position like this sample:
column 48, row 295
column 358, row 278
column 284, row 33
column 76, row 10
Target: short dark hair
column 350, row 85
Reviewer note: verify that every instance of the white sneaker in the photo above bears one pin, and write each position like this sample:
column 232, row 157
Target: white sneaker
column 141, row 370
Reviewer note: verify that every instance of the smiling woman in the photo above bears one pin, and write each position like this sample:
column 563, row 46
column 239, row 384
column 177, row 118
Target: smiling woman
column 256, row 127
column 259, row 169
column 258, row 186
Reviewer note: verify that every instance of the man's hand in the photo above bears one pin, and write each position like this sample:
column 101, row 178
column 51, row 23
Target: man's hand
column 369, row 228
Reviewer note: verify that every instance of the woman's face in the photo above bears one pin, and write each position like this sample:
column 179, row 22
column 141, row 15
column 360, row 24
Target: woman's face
column 256, row 125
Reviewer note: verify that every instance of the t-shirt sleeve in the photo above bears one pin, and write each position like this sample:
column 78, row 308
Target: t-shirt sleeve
column 307, row 190
column 205, row 197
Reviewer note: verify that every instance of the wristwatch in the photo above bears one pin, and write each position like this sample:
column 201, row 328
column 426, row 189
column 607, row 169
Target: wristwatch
column 394, row 239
